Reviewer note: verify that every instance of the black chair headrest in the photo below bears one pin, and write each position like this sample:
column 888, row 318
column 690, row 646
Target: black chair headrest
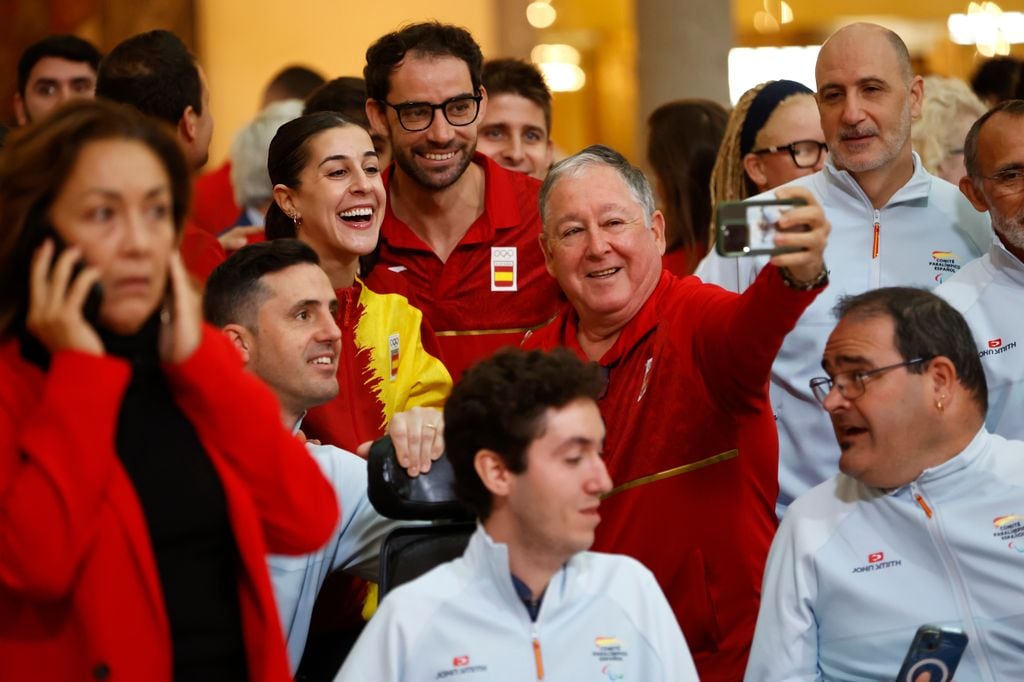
column 396, row 495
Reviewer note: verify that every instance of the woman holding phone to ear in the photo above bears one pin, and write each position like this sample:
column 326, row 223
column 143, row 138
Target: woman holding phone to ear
column 143, row 474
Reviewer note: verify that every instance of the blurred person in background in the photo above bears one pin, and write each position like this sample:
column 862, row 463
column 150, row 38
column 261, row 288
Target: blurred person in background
column 682, row 144
column 248, row 158
column 214, row 207
column 516, row 129
column 997, row 79
column 948, row 110
column 52, row 71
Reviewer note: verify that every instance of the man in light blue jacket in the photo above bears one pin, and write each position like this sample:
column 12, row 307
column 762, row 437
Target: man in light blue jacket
column 893, row 224
column 925, row 524
column 989, row 288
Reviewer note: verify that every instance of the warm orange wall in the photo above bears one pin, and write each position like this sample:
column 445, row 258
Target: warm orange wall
column 242, row 43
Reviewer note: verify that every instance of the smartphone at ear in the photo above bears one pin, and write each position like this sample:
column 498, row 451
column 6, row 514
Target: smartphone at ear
column 91, row 306
column 935, row 650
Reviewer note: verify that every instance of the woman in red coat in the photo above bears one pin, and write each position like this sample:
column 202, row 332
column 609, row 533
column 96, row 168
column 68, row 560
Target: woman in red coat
column 143, row 474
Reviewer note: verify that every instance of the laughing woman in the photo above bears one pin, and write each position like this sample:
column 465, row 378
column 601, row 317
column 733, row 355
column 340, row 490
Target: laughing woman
column 143, row 474
column 329, row 194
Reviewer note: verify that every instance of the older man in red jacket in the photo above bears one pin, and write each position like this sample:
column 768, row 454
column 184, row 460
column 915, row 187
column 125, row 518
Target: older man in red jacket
column 691, row 441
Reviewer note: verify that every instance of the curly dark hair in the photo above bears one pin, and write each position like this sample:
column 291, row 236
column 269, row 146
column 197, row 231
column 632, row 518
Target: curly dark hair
column 500, row 405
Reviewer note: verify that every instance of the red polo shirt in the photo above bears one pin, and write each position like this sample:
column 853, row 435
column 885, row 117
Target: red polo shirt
column 692, row 450
column 493, row 287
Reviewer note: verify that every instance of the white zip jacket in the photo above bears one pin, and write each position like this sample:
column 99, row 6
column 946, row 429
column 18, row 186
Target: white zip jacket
column 854, row 571
column 988, row 292
column 924, row 235
column 603, row 617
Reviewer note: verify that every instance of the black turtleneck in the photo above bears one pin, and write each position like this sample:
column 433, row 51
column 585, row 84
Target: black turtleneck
column 186, row 514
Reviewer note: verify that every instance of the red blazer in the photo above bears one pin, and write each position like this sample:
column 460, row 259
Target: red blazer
column 80, row 596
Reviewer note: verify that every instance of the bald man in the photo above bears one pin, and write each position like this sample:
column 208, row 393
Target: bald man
column 892, row 224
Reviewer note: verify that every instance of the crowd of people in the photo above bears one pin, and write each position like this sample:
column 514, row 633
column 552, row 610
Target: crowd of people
column 683, row 464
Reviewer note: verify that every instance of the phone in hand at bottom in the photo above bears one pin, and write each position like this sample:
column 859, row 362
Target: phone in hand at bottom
column 935, row 650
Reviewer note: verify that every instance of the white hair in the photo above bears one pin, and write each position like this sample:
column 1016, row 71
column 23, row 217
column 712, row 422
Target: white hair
column 249, row 151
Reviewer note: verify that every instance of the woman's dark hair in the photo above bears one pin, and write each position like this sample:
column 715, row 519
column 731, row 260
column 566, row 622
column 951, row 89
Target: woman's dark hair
column 681, row 149
column 34, row 166
column 288, row 155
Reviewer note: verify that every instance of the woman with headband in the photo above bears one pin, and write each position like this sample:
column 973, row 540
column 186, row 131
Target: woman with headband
column 773, row 136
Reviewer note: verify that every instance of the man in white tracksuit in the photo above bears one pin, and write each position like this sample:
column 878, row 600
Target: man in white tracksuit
column 989, row 290
column 892, row 224
column 925, row 524
column 526, row 601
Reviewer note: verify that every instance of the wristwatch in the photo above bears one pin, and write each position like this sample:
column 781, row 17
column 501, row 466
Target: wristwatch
column 801, row 285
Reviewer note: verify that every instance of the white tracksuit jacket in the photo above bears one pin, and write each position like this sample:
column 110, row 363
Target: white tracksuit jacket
column 603, row 617
column 925, row 234
column 989, row 293
column 854, row 571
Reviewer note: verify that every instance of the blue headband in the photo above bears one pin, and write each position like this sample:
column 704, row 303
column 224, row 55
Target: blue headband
column 764, row 104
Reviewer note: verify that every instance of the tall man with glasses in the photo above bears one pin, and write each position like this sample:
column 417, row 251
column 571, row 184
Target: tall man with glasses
column 989, row 288
column 924, row 524
column 460, row 229
column 893, row 224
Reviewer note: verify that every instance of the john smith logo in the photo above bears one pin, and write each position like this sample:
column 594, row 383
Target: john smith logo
column 996, row 347
column 1010, row 529
column 877, row 562
column 460, row 668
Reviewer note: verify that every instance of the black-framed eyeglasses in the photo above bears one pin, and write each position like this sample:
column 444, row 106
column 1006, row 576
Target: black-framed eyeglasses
column 460, row 110
column 805, row 153
column 851, row 384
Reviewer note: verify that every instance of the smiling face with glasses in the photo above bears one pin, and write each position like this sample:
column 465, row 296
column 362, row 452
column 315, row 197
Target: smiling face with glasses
column 431, row 114
column 882, row 406
column 789, row 145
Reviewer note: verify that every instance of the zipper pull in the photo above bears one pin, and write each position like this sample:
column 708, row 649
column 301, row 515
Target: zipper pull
column 537, row 658
column 924, row 505
column 878, row 228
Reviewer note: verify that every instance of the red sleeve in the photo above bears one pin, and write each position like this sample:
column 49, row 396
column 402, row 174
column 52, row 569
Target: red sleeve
column 238, row 415
column 213, row 200
column 201, row 252
column 740, row 335
column 56, row 462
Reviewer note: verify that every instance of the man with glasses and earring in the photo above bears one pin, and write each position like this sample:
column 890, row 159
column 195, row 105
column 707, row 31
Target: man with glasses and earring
column 924, row 522
column 461, row 231
column 989, row 288
column 893, row 224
